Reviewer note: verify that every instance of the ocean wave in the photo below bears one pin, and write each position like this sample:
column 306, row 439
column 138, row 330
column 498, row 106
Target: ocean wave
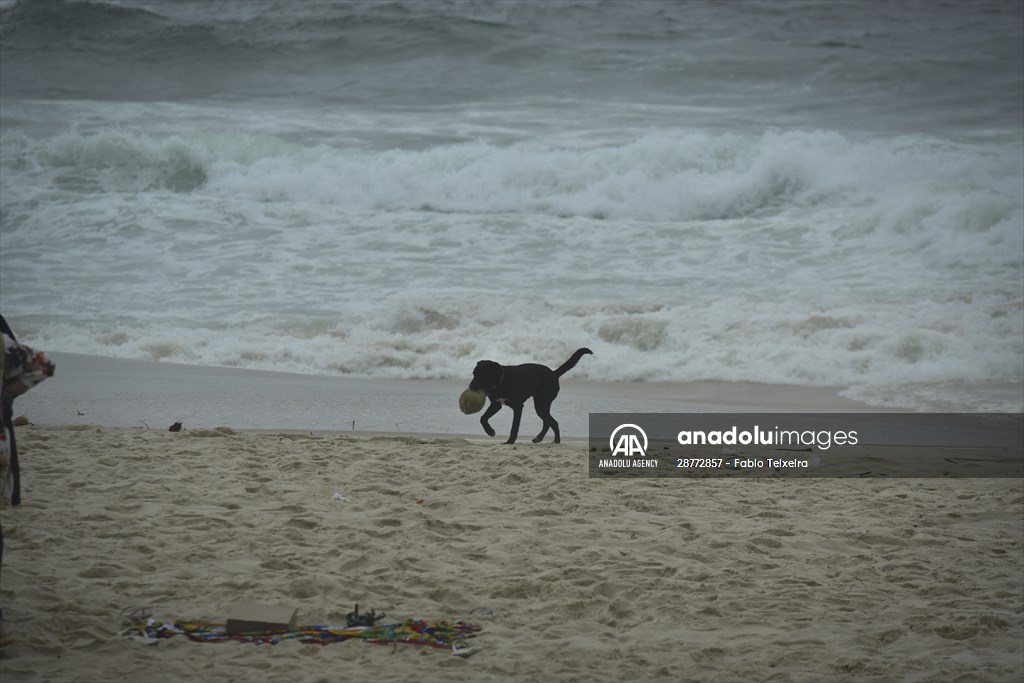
column 885, row 352
column 157, row 50
column 694, row 190
column 84, row 16
column 750, row 60
column 914, row 181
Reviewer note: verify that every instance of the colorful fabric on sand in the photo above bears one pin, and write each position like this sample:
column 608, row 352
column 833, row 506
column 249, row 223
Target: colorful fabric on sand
column 437, row 634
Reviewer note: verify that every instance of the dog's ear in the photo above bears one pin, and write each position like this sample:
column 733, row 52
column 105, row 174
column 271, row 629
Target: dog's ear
column 486, row 368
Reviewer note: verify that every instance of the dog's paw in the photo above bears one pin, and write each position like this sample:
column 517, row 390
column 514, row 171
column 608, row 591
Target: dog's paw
column 489, row 430
column 510, row 442
column 538, row 439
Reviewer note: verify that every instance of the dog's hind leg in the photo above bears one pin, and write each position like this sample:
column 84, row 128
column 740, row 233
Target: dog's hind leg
column 489, row 413
column 543, row 409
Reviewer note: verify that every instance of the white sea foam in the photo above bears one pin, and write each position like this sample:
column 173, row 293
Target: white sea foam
column 675, row 256
column 657, row 176
column 872, row 349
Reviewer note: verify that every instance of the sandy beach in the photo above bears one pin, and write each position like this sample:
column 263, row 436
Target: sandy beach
column 571, row 578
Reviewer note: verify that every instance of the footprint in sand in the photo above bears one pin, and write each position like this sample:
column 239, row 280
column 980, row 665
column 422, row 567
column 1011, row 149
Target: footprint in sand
column 299, row 523
column 100, row 572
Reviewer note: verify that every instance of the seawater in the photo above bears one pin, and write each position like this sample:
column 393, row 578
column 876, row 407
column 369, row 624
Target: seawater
column 806, row 193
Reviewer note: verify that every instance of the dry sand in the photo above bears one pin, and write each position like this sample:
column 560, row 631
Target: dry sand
column 572, row 579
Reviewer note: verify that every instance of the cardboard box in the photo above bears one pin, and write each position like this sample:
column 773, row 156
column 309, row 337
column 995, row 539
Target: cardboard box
column 247, row 617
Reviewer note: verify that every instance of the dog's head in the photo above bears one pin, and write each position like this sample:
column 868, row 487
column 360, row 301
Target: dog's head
column 486, row 375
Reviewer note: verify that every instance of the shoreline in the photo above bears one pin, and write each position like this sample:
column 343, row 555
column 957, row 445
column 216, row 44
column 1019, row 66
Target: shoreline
column 113, row 392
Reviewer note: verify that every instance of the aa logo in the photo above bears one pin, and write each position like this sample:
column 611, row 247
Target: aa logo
column 628, row 440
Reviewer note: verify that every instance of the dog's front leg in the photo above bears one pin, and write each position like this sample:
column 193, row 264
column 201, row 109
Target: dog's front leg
column 489, row 413
column 517, row 414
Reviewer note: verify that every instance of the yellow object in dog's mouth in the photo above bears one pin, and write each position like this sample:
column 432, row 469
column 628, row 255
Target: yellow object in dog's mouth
column 472, row 400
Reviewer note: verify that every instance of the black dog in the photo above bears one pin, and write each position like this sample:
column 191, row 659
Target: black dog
column 513, row 384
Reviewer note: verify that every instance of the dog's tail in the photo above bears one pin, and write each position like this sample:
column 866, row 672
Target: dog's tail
column 571, row 363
